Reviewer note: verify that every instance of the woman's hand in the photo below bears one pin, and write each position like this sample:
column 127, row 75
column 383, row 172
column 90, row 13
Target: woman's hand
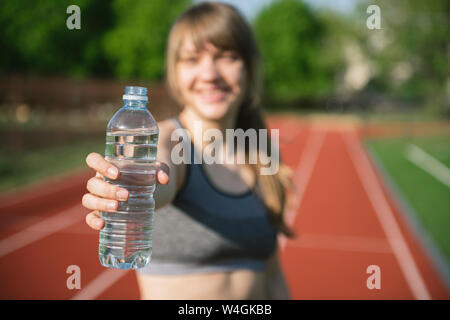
column 104, row 196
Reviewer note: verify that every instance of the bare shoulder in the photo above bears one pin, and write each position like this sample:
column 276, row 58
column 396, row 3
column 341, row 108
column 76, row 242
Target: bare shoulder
column 166, row 125
column 165, row 145
column 166, row 128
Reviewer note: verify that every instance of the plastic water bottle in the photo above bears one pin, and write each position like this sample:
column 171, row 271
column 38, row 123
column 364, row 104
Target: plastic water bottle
column 131, row 141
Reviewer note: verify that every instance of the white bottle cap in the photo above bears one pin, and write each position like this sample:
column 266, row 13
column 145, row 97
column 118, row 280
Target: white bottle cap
column 134, row 97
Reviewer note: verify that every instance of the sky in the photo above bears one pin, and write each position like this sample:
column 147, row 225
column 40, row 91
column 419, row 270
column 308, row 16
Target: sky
column 251, row 7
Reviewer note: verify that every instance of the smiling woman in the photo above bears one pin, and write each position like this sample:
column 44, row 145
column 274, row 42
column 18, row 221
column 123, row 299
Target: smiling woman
column 213, row 34
column 197, row 71
column 216, row 225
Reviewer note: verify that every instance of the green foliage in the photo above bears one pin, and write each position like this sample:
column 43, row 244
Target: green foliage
column 290, row 37
column 34, row 37
column 121, row 38
column 305, row 51
column 136, row 45
column 410, row 52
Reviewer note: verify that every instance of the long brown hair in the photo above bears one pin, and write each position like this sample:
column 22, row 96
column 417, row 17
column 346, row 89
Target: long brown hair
column 223, row 26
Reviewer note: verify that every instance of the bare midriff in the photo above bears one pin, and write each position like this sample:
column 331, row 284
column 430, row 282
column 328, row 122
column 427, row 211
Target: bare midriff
column 231, row 285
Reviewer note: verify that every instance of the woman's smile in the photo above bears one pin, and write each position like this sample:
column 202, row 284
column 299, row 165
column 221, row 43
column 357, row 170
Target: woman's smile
column 212, row 95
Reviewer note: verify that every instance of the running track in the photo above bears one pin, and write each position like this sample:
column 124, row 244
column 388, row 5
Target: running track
column 345, row 218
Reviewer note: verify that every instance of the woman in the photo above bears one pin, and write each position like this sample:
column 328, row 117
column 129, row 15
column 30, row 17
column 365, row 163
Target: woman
column 215, row 225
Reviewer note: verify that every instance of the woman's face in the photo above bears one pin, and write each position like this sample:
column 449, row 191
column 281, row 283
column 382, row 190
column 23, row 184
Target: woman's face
column 210, row 80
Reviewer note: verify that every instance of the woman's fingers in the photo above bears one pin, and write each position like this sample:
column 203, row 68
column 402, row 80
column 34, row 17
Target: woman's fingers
column 94, row 221
column 103, row 196
column 162, row 173
column 99, row 164
column 95, row 203
column 103, row 167
column 99, row 187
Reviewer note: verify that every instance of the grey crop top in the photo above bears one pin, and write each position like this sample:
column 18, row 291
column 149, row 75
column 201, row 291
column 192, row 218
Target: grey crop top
column 207, row 230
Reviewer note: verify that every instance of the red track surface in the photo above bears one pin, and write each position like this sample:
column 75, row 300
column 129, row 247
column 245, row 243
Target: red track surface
column 342, row 231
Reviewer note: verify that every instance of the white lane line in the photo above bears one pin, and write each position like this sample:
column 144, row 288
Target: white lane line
column 303, row 173
column 105, row 280
column 41, row 230
column 428, row 163
column 41, row 189
column 386, row 217
column 342, row 243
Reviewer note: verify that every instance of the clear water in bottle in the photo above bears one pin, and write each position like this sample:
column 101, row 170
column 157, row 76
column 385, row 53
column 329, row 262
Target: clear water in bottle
column 131, row 141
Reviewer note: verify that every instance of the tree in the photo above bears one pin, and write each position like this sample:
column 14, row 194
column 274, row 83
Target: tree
column 121, row 38
column 136, row 45
column 410, row 51
column 290, row 36
column 34, row 37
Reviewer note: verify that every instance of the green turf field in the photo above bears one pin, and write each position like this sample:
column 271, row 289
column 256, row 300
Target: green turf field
column 35, row 165
column 429, row 197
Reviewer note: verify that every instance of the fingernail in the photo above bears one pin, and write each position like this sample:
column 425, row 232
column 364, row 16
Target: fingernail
column 163, row 176
column 113, row 172
column 112, row 205
column 122, row 194
column 98, row 223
